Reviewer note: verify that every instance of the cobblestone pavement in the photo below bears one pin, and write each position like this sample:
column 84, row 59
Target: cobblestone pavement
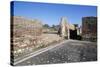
column 72, row 51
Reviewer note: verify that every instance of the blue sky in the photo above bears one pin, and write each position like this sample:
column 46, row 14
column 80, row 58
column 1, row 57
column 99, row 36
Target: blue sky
column 51, row 13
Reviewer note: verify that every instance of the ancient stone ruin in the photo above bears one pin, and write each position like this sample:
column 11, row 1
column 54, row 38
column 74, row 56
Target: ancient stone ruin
column 66, row 28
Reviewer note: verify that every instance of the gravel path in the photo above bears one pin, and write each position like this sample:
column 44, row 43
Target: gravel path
column 72, row 51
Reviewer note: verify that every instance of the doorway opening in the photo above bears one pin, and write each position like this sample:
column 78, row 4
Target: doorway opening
column 73, row 34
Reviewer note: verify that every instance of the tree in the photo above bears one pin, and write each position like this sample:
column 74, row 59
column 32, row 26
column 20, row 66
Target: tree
column 53, row 27
column 46, row 26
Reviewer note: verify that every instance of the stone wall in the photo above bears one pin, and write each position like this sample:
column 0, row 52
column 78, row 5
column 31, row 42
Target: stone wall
column 25, row 35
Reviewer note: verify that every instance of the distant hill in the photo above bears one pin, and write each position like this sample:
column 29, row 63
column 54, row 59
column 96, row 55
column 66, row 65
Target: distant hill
column 23, row 26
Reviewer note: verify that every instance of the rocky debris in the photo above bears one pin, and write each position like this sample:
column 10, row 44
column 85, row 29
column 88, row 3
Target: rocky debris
column 25, row 33
column 27, row 43
column 28, row 36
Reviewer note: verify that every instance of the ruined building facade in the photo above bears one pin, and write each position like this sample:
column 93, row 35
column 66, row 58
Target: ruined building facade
column 67, row 30
column 89, row 28
column 63, row 27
